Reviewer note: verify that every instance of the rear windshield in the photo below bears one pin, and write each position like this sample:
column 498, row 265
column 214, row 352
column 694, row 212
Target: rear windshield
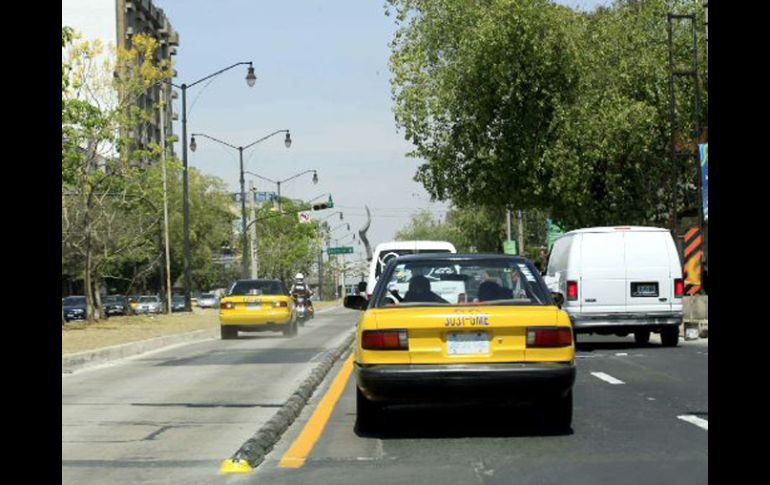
column 207, row 295
column 75, row 300
column 148, row 299
column 385, row 256
column 267, row 287
column 443, row 282
column 113, row 299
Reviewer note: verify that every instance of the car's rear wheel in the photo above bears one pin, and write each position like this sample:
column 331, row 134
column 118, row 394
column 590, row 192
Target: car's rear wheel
column 367, row 413
column 228, row 333
column 559, row 413
column 669, row 336
column 291, row 329
column 642, row 337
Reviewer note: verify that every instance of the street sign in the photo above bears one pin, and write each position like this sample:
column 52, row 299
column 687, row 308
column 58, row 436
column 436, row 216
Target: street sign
column 340, row 250
column 554, row 232
column 704, row 166
column 304, row 217
column 264, row 196
column 509, row 247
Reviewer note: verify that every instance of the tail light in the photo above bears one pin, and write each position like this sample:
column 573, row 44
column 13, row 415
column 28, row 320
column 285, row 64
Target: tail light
column 227, row 305
column 549, row 337
column 368, row 296
column 461, row 298
column 678, row 288
column 572, row 290
column 385, row 340
column 280, row 304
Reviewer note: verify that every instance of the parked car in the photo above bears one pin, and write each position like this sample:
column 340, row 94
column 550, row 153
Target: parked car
column 177, row 303
column 115, row 305
column 149, row 304
column 620, row 280
column 255, row 306
column 504, row 341
column 208, row 300
column 74, row 308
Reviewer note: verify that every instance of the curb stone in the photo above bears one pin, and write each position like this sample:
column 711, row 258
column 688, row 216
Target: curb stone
column 89, row 358
column 253, row 451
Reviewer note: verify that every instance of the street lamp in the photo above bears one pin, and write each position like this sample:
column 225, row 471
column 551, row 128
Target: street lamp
column 244, row 262
column 251, row 78
column 279, row 182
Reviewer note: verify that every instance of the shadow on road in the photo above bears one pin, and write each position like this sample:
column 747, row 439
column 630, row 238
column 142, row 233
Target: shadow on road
column 591, row 346
column 400, row 422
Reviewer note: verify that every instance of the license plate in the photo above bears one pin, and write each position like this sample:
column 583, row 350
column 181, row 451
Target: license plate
column 474, row 343
column 253, row 306
column 644, row 289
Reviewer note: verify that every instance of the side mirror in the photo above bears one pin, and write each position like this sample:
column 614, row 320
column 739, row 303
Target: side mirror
column 355, row 302
column 558, row 298
column 362, row 287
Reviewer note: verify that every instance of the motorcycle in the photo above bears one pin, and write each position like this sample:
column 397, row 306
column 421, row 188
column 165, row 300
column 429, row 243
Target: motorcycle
column 304, row 309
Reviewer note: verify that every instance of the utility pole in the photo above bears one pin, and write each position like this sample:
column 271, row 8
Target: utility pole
column 508, row 224
column 253, row 241
column 521, row 233
column 320, row 273
column 165, row 198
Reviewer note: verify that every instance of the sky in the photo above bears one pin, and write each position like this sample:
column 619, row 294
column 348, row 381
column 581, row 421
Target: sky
column 322, row 72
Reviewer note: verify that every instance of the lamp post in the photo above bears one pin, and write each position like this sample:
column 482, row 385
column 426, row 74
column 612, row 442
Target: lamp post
column 279, row 182
column 245, row 236
column 251, row 78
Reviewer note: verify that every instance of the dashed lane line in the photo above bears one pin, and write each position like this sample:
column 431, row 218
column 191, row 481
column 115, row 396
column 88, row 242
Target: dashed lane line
column 606, row 378
column 699, row 422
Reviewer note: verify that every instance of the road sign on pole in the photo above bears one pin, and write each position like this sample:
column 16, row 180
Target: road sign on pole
column 509, row 247
column 304, row 217
column 340, row 250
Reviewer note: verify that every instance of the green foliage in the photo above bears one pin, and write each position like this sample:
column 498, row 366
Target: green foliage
column 531, row 105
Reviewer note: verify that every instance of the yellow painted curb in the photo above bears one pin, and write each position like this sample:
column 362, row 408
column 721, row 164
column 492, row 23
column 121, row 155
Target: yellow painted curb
column 234, row 466
column 311, row 433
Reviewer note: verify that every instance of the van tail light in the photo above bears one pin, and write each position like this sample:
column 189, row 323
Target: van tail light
column 368, row 296
column 280, row 304
column 227, row 305
column 572, row 290
column 461, row 298
column 678, row 288
column 549, row 337
column 385, row 340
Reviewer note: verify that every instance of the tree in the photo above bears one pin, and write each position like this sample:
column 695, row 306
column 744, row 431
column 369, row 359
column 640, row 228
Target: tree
column 103, row 186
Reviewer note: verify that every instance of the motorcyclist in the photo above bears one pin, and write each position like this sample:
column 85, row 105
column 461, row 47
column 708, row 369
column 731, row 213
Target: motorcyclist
column 301, row 288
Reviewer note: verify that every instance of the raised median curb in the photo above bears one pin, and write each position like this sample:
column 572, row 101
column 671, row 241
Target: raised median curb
column 253, row 451
column 89, row 358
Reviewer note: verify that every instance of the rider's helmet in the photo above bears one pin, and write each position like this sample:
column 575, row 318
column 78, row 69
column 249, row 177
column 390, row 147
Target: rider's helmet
column 299, row 277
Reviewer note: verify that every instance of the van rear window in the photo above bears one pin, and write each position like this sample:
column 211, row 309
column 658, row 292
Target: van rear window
column 384, row 257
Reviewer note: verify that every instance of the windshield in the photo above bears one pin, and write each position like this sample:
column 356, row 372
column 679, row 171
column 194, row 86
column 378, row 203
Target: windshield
column 385, row 256
column 148, row 299
column 75, row 300
column 258, row 287
column 207, row 295
column 444, row 282
column 113, row 299
column 178, row 299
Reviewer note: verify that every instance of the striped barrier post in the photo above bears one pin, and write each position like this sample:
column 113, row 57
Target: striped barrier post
column 693, row 258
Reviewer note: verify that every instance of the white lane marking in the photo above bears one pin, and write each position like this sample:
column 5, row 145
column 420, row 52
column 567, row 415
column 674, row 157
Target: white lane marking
column 607, row 378
column 621, row 353
column 699, row 422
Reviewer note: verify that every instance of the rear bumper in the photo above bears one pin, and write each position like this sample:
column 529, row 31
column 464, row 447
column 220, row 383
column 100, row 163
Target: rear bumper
column 255, row 319
column 625, row 321
column 514, row 382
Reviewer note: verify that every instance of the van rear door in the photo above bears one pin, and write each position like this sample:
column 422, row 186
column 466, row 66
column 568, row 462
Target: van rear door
column 601, row 288
column 649, row 285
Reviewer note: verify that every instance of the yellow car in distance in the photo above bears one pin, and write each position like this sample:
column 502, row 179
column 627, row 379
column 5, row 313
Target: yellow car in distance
column 464, row 329
column 256, row 306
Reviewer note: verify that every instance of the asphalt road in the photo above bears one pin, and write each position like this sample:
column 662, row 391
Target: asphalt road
column 626, row 429
column 173, row 416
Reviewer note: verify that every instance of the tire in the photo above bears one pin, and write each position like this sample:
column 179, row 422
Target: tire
column 228, row 333
column 558, row 413
column 291, row 329
column 670, row 337
column 367, row 413
column 642, row 337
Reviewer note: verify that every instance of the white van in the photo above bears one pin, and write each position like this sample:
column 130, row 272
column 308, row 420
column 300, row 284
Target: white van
column 384, row 252
column 619, row 280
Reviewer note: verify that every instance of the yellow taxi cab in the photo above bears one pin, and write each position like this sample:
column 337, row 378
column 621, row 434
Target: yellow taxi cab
column 255, row 306
column 466, row 329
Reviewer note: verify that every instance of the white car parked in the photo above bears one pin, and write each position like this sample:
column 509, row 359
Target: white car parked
column 619, row 280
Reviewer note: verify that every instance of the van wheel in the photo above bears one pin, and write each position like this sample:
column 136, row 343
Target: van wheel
column 228, row 333
column 670, row 337
column 367, row 413
column 642, row 337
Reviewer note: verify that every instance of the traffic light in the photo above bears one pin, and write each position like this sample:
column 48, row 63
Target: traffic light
column 324, row 205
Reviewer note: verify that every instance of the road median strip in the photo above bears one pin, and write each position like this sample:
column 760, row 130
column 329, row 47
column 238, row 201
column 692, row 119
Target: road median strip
column 253, row 451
